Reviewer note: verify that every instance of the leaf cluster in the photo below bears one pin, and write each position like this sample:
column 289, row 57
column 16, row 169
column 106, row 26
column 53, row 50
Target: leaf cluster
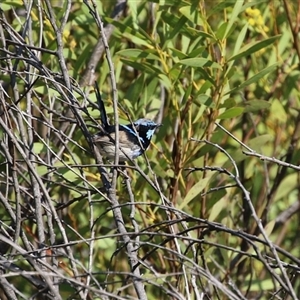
column 210, row 211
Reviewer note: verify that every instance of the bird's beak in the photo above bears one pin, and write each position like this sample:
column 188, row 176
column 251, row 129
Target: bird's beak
column 159, row 125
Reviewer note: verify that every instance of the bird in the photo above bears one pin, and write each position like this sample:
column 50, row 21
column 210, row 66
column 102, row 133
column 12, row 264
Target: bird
column 134, row 138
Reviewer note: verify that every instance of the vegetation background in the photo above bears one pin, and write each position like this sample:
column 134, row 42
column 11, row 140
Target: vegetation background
column 212, row 211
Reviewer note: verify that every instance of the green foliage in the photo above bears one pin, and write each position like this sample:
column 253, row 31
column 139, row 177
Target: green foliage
column 216, row 198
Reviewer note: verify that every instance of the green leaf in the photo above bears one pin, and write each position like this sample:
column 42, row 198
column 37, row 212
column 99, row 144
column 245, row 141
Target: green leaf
column 7, row 5
column 199, row 62
column 217, row 209
column 187, row 94
column 231, row 113
column 173, row 21
column 38, row 148
column 191, row 14
column 144, row 67
column 165, row 81
column 149, row 93
column 206, row 100
column 132, row 5
column 205, row 87
column 69, row 174
column 259, row 141
column 42, row 170
column 287, row 185
column 254, row 78
column 195, row 191
column 206, row 76
column 135, row 89
column 177, row 28
column 221, row 31
column 257, row 284
column 278, row 113
column 137, row 53
column 215, row 197
column 136, row 40
column 197, row 52
column 240, row 39
column 220, row 6
column 254, row 47
column 228, row 103
column 234, row 15
column 139, row 37
column 256, row 105
column 196, row 33
column 104, row 243
column 190, row 32
column 178, row 53
column 237, row 47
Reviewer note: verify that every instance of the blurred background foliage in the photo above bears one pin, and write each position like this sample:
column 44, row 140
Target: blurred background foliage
column 187, row 64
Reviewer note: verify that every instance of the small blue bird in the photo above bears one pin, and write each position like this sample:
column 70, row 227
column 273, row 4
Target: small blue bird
column 134, row 138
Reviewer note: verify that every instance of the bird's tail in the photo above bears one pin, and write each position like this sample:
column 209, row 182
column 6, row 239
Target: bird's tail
column 101, row 107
